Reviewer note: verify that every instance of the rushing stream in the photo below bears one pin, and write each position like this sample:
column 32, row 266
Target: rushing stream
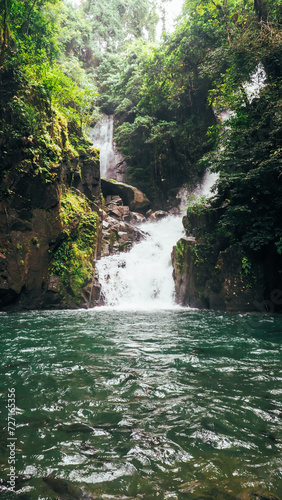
column 175, row 404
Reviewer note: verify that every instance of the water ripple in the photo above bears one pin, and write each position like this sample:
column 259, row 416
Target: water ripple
column 155, row 405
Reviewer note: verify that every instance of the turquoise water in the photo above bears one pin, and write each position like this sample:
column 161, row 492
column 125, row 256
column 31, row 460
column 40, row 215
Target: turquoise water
column 159, row 405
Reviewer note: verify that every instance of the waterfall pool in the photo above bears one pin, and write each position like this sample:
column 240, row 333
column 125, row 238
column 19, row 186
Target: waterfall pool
column 172, row 404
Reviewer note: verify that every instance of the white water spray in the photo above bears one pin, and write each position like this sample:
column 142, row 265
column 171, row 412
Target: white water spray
column 142, row 278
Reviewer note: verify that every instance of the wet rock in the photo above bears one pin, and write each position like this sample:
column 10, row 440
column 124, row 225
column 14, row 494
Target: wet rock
column 53, row 285
column 160, row 214
column 115, row 211
column 52, row 300
column 123, row 237
column 91, row 293
column 31, row 230
column 113, row 200
column 87, row 180
column 126, row 213
column 105, row 249
column 131, row 196
column 136, row 218
column 116, row 248
column 139, row 235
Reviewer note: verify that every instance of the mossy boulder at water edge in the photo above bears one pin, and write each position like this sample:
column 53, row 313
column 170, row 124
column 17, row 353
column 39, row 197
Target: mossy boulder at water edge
column 130, row 195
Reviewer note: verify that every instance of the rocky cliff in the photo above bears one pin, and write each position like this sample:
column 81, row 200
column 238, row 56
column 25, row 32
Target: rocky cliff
column 211, row 273
column 33, row 233
column 49, row 200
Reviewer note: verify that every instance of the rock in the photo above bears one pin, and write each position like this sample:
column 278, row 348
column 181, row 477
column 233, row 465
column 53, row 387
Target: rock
column 118, row 236
column 123, row 237
column 91, row 293
column 126, row 213
column 124, row 226
column 131, row 196
column 116, row 200
column 108, row 220
column 105, row 249
column 137, row 218
column 139, row 235
column 160, row 214
column 53, row 285
column 115, row 248
column 87, row 178
column 31, row 231
column 115, row 211
column 66, row 489
column 212, row 279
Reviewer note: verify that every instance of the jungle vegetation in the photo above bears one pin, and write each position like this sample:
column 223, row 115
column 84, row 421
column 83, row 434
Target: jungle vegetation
column 62, row 65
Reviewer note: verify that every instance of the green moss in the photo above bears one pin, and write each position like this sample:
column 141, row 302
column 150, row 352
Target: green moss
column 73, row 260
column 43, row 134
column 180, row 257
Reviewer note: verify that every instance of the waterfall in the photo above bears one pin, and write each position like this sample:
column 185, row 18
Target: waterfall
column 142, row 278
column 110, row 159
column 204, row 189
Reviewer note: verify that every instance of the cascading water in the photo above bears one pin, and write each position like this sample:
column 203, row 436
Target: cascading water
column 110, row 159
column 142, row 278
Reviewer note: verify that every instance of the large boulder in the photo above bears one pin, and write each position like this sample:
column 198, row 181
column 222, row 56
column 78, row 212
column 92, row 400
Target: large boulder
column 130, row 195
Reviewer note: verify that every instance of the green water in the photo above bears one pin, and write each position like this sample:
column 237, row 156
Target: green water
column 159, row 405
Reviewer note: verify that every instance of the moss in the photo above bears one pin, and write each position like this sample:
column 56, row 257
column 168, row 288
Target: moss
column 35, row 136
column 73, row 261
column 180, row 257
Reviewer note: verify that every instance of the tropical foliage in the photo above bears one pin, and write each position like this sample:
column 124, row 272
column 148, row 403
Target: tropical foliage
column 62, row 66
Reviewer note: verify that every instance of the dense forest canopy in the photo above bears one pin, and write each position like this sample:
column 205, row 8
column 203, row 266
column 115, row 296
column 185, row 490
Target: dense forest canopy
column 69, row 64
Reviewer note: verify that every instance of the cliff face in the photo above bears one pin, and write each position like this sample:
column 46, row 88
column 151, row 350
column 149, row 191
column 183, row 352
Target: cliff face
column 212, row 274
column 49, row 200
column 32, row 232
column 215, row 281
